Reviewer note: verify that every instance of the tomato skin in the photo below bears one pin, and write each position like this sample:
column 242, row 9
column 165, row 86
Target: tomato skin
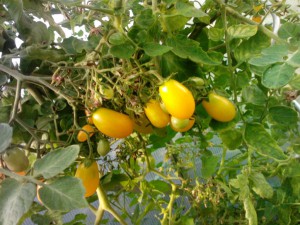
column 89, row 176
column 188, row 127
column 156, row 115
column 179, row 123
column 257, row 19
column 103, row 147
column 16, row 160
column 178, row 100
column 112, row 123
column 82, row 136
column 219, row 108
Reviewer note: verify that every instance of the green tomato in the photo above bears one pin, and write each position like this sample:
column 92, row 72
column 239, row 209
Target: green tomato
column 103, row 147
column 179, row 123
column 16, row 160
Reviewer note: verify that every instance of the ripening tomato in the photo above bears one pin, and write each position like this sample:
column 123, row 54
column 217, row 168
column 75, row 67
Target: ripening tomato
column 142, row 125
column 82, row 134
column 178, row 100
column 188, row 127
column 219, row 107
column 88, row 172
column 103, row 147
column 257, row 19
column 156, row 115
column 179, row 123
column 16, row 160
column 88, row 117
column 112, row 123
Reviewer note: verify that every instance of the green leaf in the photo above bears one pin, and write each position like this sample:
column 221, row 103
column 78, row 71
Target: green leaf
column 288, row 30
column 5, row 113
column 242, row 31
column 254, row 95
column 63, row 194
column 71, row 2
column 123, row 51
column 188, row 10
column 15, row 200
column 160, row 186
column 3, row 77
column 260, row 185
column 251, row 47
column 117, row 38
column 294, row 59
column 232, row 139
column 56, row 161
column 258, row 138
column 187, row 48
column 295, row 82
column 292, row 169
column 283, row 115
column 6, row 133
column 251, row 215
column 273, row 54
column 145, row 19
column 216, row 34
column 154, row 49
column 241, row 183
column 278, row 76
column 209, row 165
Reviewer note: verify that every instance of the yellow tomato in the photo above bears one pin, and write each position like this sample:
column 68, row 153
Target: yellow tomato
column 219, row 108
column 89, row 174
column 82, row 134
column 156, row 115
column 257, row 19
column 112, row 123
column 188, row 127
column 178, row 100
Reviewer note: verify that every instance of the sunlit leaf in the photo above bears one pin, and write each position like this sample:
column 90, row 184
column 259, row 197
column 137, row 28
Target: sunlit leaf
column 242, row 31
column 232, row 139
column 154, row 49
column 283, row 115
column 260, row 185
column 209, row 165
column 15, row 199
column 250, row 211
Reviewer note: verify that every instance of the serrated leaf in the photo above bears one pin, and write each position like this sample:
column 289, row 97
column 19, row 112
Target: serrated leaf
column 123, row 51
column 55, row 161
column 258, row 138
column 273, row 54
column 6, row 133
column 277, row 76
column 254, row 95
column 260, row 185
column 63, row 194
column 283, row 115
column 209, row 165
column 187, row 48
column 232, row 139
column 242, row 31
column 251, row 215
column 15, row 200
column 154, row 49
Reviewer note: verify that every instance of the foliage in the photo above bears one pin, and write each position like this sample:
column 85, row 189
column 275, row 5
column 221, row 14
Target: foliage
column 60, row 81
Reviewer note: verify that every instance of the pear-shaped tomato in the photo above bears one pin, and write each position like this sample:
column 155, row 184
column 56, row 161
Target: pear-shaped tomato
column 112, row 123
column 86, row 130
column 16, row 160
column 178, row 100
column 88, row 172
column 219, row 107
column 179, row 123
column 186, row 128
column 156, row 115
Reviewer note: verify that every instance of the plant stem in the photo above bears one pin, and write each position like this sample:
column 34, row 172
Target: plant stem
column 222, row 161
column 16, row 102
column 168, row 211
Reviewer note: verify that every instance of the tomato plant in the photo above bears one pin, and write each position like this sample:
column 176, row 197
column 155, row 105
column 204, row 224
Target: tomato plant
column 197, row 100
column 219, row 107
column 88, row 173
column 178, row 100
column 112, row 123
column 156, row 115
